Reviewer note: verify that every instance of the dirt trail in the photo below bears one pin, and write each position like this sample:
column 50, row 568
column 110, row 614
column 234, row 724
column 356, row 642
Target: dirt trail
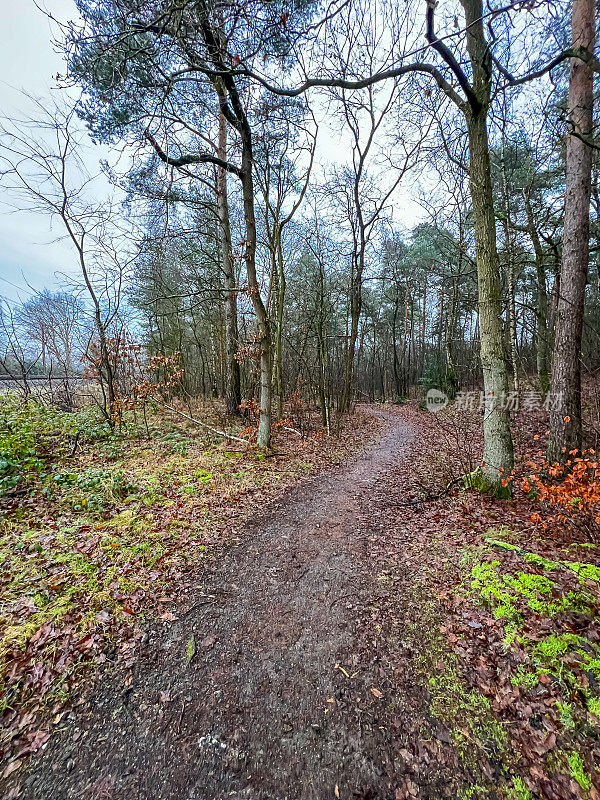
column 246, row 718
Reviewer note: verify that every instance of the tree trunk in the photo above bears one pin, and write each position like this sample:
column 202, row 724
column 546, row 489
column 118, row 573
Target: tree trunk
column 451, row 379
column 541, row 312
column 498, row 457
column 322, row 352
column 498, row 446
column 510, row 279
column 424, row 324
column 565, row 414
column 355, row 309
column 233, row 392
column 395, row 359
column 279, row 324
column 263, row 335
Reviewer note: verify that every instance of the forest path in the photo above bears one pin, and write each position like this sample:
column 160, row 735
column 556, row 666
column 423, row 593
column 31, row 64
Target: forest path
column 281, row 698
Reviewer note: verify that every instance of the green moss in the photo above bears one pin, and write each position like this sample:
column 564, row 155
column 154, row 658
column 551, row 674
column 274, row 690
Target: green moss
column 190, row 649
column 578, row 771
column 519, row 791
column 466, row 713
column 458, row 708
column 586, row 572
column 525, row 678
column 550, row 652
column 476, row 792
column 516, row 598
column 481, row 483
column 565, row 711
column 506, row 593
column 594, row 706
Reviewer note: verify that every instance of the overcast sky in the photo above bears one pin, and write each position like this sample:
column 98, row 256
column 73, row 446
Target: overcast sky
column 28, row 250
column 30, row 255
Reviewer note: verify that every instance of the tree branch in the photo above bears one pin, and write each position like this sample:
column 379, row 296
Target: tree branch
column 582, row 53
column 184, row 161
column 448, row 57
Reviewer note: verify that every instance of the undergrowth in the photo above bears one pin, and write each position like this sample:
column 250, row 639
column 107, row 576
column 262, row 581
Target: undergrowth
column 101, row 529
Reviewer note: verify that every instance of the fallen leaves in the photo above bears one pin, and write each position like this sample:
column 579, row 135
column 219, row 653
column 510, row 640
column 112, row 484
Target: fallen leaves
column 190, row 649
column 410, row 549
column 80, row 579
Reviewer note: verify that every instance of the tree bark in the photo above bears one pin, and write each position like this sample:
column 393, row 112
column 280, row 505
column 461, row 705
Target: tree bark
column 541, row 312
column 498, row 447
column 263, row 334
column 355, row 311
column 498, row 456
column 565, row 414
column 451, row 379
column 510, row 278
column 281, row 287
column 233, row 392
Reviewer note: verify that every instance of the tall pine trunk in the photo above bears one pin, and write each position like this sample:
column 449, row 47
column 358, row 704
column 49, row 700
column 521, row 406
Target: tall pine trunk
column 565, row 414
column 281, row 287
column 510, row 277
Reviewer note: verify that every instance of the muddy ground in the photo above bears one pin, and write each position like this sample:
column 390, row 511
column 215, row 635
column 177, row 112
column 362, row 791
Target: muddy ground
column 274, row 684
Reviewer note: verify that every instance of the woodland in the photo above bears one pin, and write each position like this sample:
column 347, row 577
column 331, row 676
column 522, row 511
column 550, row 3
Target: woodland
column 298, row 449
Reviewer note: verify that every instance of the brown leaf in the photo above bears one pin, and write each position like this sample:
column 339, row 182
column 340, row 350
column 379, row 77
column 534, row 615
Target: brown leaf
column 12, row 767
column 376, row 693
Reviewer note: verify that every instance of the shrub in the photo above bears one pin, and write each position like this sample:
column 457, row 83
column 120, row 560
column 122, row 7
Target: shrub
column 30, row 433
column 571, row 490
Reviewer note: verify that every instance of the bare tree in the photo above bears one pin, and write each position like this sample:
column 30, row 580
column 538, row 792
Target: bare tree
column 54, row 320
column 287, row 138
column 19, row 359
column 41, row 166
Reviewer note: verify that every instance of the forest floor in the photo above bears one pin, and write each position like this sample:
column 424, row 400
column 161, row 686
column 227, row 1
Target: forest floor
column 359, row 639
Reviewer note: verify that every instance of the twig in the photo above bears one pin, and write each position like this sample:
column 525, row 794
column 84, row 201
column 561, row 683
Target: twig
column 199, row 422
column 293, row 430
column 429, row 497
column 75, row 443
column 181, row 716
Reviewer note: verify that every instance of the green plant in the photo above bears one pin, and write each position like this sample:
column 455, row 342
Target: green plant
column 97, row 487
column 29, row 434
column 578, row 771
column 519, row 791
